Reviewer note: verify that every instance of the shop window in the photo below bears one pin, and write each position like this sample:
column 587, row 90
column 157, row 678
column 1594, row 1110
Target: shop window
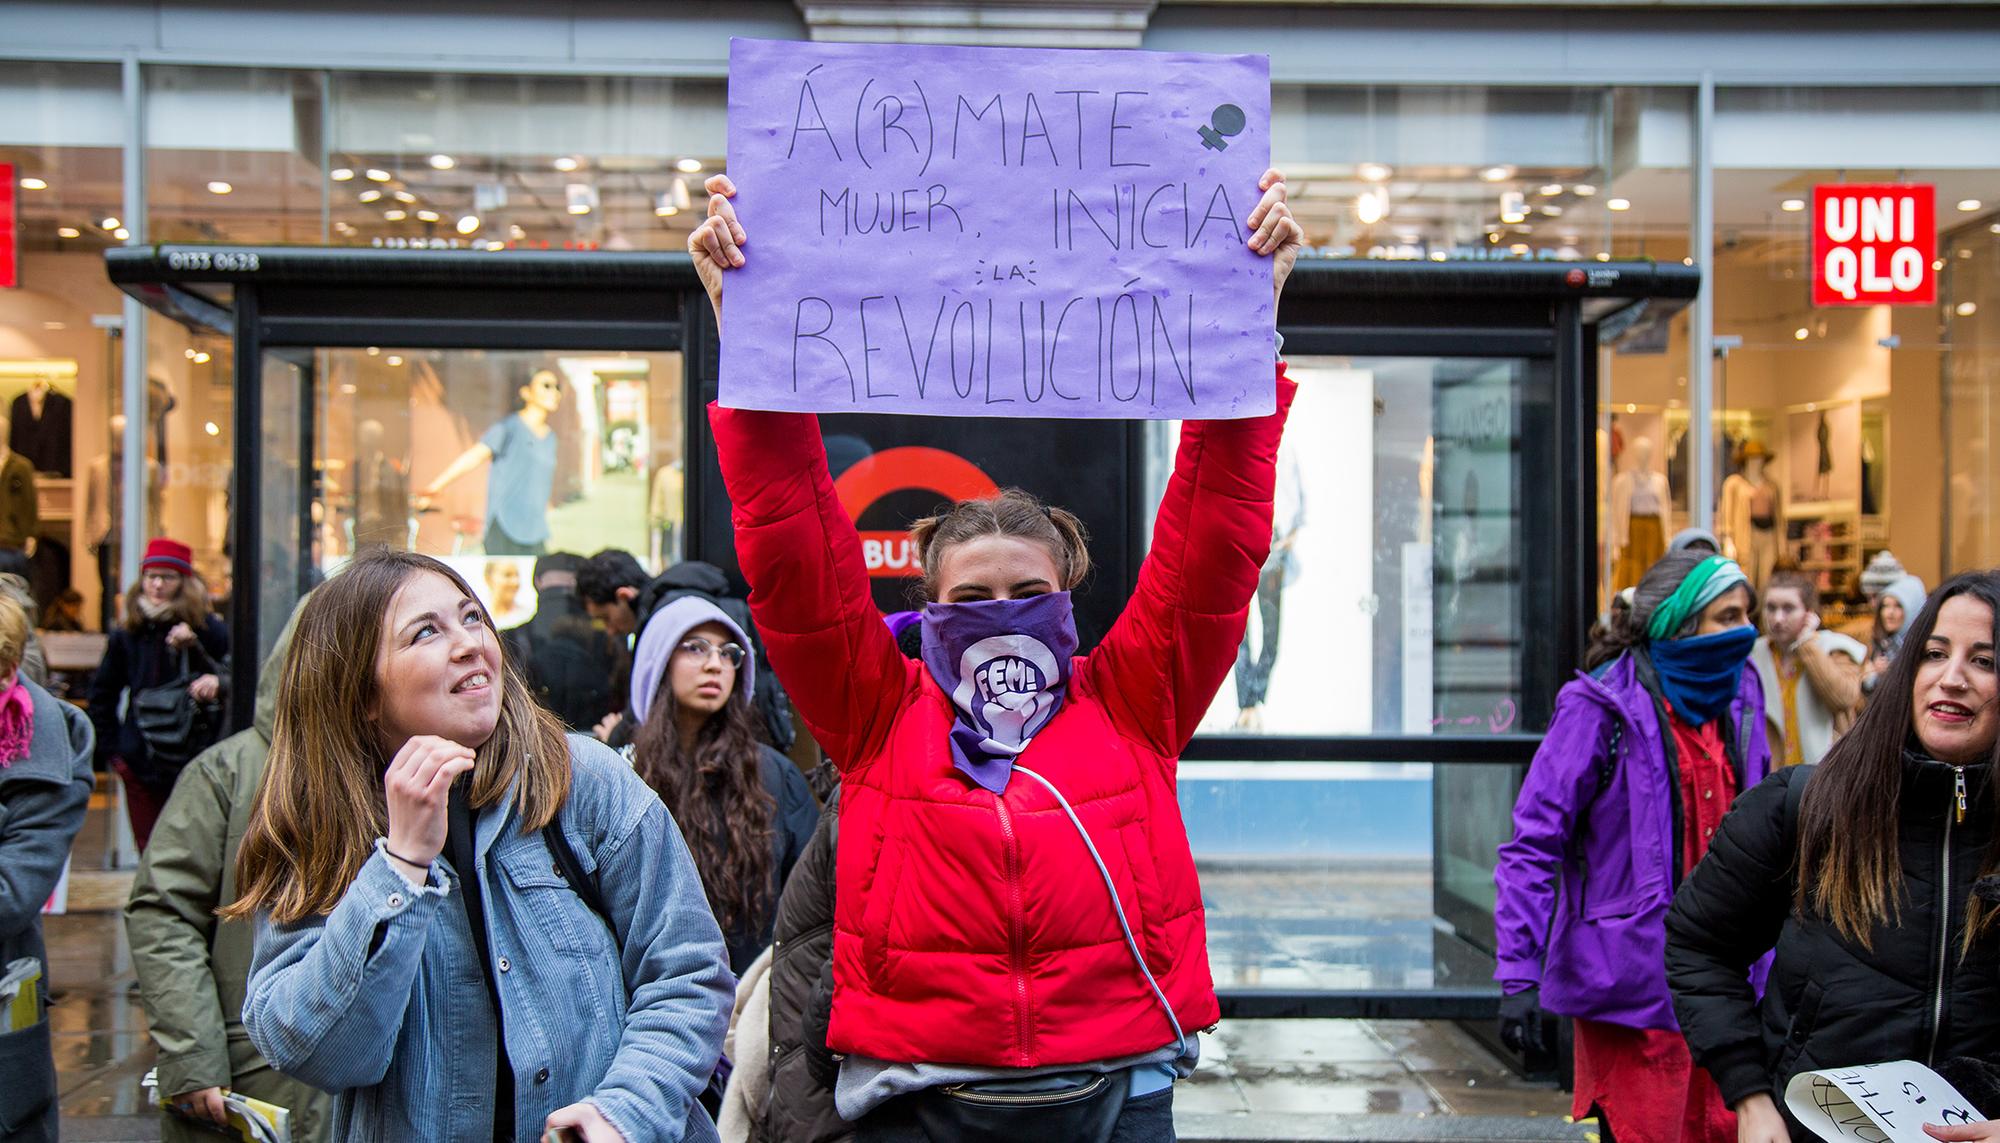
column 234, row 155
column 61, row 134
column 520, row 162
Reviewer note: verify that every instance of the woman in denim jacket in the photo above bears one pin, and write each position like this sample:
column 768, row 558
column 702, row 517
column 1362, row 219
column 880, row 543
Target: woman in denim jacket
column 420, row 953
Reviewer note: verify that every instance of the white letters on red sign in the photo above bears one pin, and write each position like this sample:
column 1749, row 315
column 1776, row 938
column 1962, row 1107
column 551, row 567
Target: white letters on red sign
column 1874, row 244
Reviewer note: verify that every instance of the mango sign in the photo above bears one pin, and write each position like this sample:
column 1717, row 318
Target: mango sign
column 997, row 232
column 1873, row 244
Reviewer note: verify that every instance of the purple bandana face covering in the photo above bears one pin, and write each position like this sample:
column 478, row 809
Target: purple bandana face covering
column 1005, row 663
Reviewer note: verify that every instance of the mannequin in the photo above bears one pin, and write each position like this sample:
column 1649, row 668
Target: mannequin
column 20, row 514
column 103, row 486
column 1751, row 507
column 40, row 428
column 1641, row 515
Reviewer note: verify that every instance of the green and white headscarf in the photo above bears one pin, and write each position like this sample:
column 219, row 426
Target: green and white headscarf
column 1704, row 585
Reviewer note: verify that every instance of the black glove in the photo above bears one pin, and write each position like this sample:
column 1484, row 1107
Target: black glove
column 1522, row 1026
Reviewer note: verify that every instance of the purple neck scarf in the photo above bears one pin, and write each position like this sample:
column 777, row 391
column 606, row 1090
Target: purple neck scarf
column 1005, row 663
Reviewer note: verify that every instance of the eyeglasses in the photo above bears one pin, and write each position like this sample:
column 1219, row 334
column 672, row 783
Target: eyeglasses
column 699, row 648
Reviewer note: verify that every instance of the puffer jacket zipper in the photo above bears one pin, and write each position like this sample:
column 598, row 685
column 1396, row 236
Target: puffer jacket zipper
column 1017, row 929
column 1944, row 910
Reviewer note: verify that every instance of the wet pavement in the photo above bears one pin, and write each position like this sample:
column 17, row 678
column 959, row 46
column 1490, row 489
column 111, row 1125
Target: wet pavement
column 1373, row 1080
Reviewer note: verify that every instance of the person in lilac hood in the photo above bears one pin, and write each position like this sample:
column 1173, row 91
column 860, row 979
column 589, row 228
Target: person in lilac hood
column 1642, row 758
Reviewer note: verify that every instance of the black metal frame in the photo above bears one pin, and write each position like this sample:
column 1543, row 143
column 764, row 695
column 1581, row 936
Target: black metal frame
column 305, row 298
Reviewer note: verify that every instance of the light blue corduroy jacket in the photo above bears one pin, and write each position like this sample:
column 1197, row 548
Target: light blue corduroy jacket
column 382, row 1002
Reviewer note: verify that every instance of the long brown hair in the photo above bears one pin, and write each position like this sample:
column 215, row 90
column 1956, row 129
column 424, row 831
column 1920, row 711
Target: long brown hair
column 716, row 794
column 1012, row 513
column 190, row 605
column 1849, row 868
column 321, row 804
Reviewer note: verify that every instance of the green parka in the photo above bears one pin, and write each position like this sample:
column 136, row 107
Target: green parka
column 191, row 964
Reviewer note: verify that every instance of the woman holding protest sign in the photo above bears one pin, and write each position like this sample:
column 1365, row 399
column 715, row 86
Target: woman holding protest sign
column 982, row 988
column 1861, row 874
column 469, row 924
column 1639, row 764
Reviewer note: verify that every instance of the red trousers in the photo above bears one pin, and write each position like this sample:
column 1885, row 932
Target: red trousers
column 142, row 806
column 1646, row 1087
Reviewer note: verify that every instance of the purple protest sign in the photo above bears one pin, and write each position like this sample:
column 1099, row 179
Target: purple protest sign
column 997, row 232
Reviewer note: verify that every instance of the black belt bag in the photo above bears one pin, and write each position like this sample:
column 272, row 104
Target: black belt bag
column 1076, row 1107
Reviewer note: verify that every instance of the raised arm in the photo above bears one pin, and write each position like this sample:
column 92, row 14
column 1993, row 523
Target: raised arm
column 808, row 586
column 1159, row 666
column 809, row 589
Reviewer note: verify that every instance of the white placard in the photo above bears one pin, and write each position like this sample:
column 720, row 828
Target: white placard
column 1876, row 1103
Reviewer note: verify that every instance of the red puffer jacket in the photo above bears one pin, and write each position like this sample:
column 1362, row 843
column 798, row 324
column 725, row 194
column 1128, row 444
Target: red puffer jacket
column 973, row 929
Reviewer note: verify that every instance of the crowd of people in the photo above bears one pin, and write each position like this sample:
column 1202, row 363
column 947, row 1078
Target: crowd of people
column 563, row 882
column 1738, row 857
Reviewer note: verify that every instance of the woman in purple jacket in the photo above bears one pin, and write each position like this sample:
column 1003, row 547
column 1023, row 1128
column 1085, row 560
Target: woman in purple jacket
column 1641, row 760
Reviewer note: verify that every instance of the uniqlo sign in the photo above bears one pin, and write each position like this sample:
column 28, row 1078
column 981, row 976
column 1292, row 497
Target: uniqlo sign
column 1873, row 244
column 9, row 230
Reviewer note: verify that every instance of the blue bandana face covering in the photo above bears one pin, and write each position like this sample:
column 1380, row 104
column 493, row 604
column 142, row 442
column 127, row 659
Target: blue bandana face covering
column 1005, row 663
column 1700, row 675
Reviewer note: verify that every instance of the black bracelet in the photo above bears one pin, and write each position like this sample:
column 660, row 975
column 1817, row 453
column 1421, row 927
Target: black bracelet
column 405, row 860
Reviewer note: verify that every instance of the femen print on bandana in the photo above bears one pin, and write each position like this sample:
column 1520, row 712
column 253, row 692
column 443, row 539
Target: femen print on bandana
column 1006, row 664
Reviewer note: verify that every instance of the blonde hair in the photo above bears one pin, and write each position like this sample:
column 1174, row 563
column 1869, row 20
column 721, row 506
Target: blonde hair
column 1012, row 513
column 321, row 805
column 13, row 634
column 190, row 605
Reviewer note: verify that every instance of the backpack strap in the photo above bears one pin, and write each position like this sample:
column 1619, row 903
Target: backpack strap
column 571, row 868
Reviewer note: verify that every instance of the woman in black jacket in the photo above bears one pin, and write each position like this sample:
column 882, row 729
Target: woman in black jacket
column 169, row 633
column 1861, row 876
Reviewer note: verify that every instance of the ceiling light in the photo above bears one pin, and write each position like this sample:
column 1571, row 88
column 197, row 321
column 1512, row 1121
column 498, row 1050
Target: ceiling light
column 1967, row 309
column 1583, row 190
column 1551, row 211
column 68, row 232
column 1801, row 333
column 1687, row 261
column 32, row 183
column 579, row 208
column 219, row 187
column 1512, row 216
column 394, row 359
column 566, row 164
column 344, row 227
column 1618, row 204
column 1968, row 204
column 371, row 195
column 468, row 224
column 1497, row 174
column 1437, row 255
column 374, row 351
column 582, row 197
column 111, row 223
column 121, row 234
column 1993, row 229
column 188, row 353
column 495, row 244
column 1371, row 206
column 1518, row 248
column 202, row 358
column 1603, row 257
column 688, row 166
column 515, row 232
column 1792, row 205
column 443, row 162
column 377, row 175
column 340, row 174
column 1513, row 207
column 1938, row 265
column 427, row 216
column 405, row 196
column 1551, row 190
column 211, row 428
column 683, row 199
column 663, row 206
column 1373, row 172
column 395, row 215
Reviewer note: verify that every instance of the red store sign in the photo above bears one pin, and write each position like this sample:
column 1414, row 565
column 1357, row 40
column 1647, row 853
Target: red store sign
column 1874, row 244
column 10, row 275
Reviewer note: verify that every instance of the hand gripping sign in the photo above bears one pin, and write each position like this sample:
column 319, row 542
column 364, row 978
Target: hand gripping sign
column 997, row 232
column 1873, row 244
column 1876, row 1103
